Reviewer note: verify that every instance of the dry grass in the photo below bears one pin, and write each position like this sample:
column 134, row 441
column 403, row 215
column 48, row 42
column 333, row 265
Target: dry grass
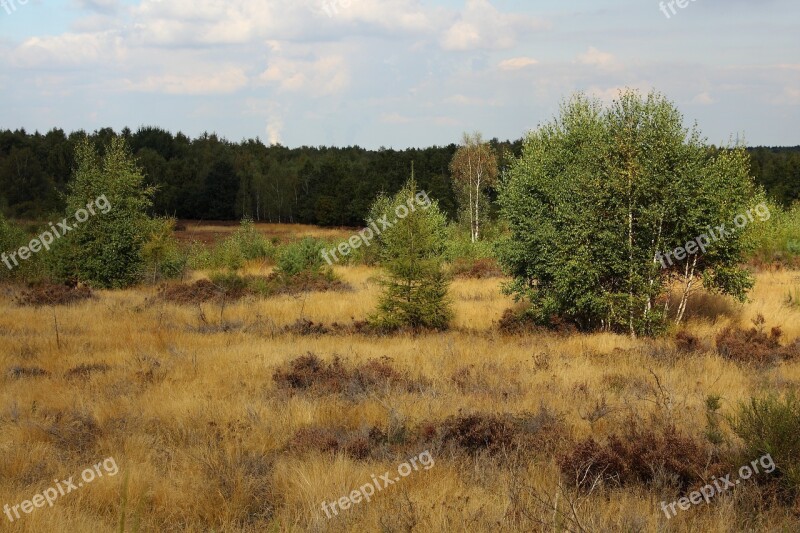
column 207, row 440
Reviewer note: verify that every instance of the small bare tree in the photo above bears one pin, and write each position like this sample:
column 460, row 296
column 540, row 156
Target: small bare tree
column 474, row 168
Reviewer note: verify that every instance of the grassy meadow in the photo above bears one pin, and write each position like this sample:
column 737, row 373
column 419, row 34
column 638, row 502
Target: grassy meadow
column 212, row 431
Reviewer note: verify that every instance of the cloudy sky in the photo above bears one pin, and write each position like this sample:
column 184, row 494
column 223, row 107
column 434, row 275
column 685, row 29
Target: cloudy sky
column 392, row 73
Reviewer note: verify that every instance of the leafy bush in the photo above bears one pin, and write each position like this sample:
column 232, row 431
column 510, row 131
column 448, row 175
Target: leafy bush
column 598, row 193
column 301, row 256
column 245, row 244
column 772, row 425
column 11, row 238
column 162, row 255
column 252, row 245
column 777, row 239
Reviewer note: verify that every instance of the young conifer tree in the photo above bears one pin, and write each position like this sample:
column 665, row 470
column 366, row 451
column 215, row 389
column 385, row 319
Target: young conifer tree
column 411, row 251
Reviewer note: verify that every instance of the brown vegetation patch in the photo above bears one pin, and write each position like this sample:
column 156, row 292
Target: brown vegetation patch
column 52, row 294
column 637, row 456
column 20, row 372
column 200, row 291
column 476, row 268
column 305, row 327
column 357, row 444
column 306, row 282
column 469, row 381
column 495, row 434
column 76, row 432
column 309, row 328
column 517, row 322
column 86, row 370
column 310, row 373
column 754, row 345
column 687, row 343
column 234, row 288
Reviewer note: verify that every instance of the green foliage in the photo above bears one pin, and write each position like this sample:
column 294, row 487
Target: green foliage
column 245, row 244
column 771, row 425
column 230, row 282
column 777, row 239
column 11, row 238
column 161, row 253
column 412, row 252
column 459, row 245
column 106, row 250
column 251, row 243
column 598, row 193
column 301, row 256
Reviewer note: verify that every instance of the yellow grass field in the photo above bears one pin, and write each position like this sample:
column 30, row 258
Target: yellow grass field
column 188, row 409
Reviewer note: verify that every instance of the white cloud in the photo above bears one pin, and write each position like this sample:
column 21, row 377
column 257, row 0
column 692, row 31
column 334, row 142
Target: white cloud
column 703, row 98
column 595, row 58
column 482, row 26
column 517, row 63
column 223, row 80
column 324, row 76
column 71, row 50
column 460, row 99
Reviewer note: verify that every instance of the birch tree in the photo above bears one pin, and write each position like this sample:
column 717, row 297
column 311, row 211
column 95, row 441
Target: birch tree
column 474, row 169
column 601, row 195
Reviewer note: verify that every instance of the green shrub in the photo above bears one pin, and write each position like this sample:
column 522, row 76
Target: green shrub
column 460, row 246
column 777, row 239
column 11, row 238
column 252, row 245
column 162, row 255
column 301, row 256
column 772, row 425
column 230, row 282
column 231, row 254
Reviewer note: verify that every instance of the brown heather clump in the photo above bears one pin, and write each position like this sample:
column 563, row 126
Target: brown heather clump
column 52, row 294
column 86, row 370
column 687, row 343
column 754, row 346
column 20, row 372
column 310, row 373
column 491, row 434
column 356, row 444
column 637, row 456
column 486, row 268
column 201, row 291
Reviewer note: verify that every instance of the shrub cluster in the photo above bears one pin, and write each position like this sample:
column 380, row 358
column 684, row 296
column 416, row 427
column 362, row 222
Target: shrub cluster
column 754, row 345
column 637, row 456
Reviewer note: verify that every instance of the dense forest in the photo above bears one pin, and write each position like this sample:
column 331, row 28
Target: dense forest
column 210, row 178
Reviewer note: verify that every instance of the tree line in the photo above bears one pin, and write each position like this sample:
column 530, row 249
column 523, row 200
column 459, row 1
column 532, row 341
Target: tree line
column 211, row 178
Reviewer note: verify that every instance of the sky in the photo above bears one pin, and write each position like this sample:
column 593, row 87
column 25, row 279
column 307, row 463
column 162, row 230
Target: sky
column 393, row 73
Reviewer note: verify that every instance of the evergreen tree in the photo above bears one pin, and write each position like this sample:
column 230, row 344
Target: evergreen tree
column 411, row 251
column 106, row 249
